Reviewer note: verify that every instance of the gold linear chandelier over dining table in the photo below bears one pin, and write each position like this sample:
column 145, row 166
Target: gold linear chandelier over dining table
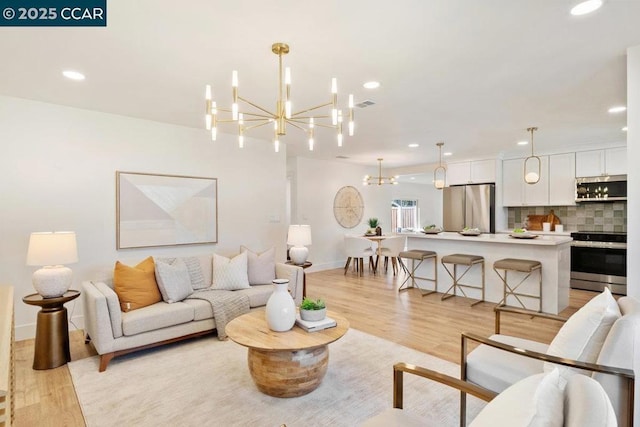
column 379, row 180
column 324, row 115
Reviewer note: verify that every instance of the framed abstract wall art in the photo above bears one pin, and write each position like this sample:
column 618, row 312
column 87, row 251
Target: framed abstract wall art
column 165, row 210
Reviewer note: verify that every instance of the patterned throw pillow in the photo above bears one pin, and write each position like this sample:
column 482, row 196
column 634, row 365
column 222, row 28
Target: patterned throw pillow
column 262, row 266
column 173, row 280
column 136, row 287
column 193, row 267
column 230, row 274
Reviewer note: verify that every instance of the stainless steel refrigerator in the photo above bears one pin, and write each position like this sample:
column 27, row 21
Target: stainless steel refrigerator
column 470, row 206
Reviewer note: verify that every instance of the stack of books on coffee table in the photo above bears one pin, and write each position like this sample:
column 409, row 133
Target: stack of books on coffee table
column 319, row 325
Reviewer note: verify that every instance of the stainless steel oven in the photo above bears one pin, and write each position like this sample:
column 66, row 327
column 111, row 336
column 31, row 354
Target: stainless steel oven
column 599, row 260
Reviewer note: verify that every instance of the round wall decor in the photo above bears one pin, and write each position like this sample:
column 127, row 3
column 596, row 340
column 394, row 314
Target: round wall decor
column 348, row 207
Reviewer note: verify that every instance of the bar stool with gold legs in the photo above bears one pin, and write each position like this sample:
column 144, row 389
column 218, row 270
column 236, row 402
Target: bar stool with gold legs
column 469, row 261
column 419, row 255
column 524, row 266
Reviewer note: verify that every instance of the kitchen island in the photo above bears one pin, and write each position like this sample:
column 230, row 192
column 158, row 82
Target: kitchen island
column 554, row 252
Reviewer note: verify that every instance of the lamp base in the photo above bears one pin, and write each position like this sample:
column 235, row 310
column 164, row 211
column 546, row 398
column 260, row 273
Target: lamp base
column 298, row 254
column 52, row 281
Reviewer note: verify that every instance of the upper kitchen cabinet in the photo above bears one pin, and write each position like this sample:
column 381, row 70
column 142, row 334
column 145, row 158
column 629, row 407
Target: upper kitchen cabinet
column 516, row 192
column 476, row 172
column 562, row 172
column 610, row 161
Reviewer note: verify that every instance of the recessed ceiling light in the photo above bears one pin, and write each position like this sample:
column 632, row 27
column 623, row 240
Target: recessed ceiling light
column 371, row 85
column 618, row 109
column 624, row 129
column 414, row 145
column 585, row 7
column 523, row 142
column 73, row 75
column 412, row 178
column 448, row 153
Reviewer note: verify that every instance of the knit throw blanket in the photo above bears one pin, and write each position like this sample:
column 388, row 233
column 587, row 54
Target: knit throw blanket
column 226, row 306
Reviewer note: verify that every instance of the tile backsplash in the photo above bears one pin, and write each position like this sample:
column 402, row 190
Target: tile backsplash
column 591, row 216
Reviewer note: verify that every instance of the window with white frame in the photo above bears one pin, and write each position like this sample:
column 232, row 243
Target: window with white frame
column 404, row 214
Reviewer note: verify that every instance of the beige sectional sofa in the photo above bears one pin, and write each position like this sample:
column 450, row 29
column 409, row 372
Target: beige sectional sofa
column 114, row 332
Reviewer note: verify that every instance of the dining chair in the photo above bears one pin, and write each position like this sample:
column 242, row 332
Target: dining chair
column 358, row 248
column 391, row 248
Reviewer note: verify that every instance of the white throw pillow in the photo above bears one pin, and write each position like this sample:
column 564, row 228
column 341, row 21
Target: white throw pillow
column 534, row 401
column 262, row 266
column 230, row 274
column 173, row 280
column 583, row 334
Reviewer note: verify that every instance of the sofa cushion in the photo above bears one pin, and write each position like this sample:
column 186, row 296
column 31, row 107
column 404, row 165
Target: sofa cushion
column 230, row 274
column 173, row 280
column 201, row 309
column 496, row 369
column 156, row 316
column 534, row 401
column 258, row 294
column 136, row 286
column 261, row 266
column 583, row 334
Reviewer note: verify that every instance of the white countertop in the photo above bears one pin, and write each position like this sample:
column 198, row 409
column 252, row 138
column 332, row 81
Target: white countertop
column 541, row 240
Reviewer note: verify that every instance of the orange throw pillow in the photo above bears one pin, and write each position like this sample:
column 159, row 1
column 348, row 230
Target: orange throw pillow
column 136, row 287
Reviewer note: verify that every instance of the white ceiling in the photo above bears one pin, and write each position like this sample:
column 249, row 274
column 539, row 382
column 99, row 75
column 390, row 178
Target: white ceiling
column 474, row 74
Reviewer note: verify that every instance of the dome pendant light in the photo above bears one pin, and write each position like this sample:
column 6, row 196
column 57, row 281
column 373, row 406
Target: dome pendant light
column 532, row 177
column 439, row 173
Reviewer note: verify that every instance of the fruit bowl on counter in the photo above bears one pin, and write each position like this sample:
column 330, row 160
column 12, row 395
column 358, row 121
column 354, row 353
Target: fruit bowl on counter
column 467, row 231
column 522, row 233
column 432, row 229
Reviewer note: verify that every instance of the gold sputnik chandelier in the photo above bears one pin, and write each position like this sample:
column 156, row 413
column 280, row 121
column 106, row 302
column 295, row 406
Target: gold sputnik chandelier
column 379, row 180
column 324, row 115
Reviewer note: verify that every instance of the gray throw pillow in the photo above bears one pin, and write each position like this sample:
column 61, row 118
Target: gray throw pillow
column 173, row 280
column 193, row 267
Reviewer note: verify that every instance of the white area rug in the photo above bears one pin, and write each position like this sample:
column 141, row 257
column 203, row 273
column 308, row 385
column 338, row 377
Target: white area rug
column 206, row 382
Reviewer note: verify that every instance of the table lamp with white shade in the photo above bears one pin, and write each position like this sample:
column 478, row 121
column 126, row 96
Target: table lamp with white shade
column 299, row 237
column 50, row 250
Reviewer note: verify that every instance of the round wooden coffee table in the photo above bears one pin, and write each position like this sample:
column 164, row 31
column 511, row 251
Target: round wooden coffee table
column 285, row 364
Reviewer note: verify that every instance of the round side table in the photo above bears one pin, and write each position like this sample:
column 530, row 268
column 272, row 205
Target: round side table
column 52, row 330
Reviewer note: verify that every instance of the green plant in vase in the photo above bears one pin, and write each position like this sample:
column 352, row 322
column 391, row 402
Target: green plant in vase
column 313, row 310
column 373, row 225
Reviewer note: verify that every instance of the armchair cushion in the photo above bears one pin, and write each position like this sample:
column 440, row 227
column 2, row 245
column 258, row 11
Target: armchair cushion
column 583, row 334
column 535, row 401
column 496, row 370
column 586, row 404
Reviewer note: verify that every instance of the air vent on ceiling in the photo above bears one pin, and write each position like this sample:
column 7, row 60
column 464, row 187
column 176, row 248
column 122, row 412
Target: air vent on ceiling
column 341, row 157
column 364, row 104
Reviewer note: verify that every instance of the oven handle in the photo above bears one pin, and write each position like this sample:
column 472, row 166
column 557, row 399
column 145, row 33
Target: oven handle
column 605, row 245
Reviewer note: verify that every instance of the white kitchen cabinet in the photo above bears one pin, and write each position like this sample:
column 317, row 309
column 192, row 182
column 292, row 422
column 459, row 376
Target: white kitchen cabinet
column 615, row 161
column 562, row 183
column 611, row 161
column 475, row 172
column 516, row 192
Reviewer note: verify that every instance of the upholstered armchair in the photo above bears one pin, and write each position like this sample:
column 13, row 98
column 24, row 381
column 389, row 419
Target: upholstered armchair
column 541, row 399
column 597, row 341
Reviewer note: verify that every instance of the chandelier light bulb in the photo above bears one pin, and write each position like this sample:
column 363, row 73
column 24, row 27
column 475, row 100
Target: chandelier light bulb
column 276, row 145
column 311, row 144
column 351, row 101
column 439, row 184
column 287, row 76
column 339, row 140
column 214, row 133
column 234, row 78
column 207, row 93
column 334, row 85
column 531, row 178
column 208, row 120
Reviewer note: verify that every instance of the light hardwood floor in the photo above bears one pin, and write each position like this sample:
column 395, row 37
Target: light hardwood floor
column 371, row 303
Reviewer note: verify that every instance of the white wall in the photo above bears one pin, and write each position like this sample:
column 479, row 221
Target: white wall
column 58, row 173
column 314, row 186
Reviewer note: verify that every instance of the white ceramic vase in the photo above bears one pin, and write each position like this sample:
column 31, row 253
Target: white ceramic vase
column 281, row 309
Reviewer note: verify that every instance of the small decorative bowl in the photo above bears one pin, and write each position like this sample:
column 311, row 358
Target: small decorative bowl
column 313, row 315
